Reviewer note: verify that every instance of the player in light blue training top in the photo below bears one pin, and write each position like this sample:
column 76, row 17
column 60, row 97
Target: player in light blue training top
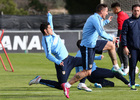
column 89, row 45
column 52, row 44
column 92, row 29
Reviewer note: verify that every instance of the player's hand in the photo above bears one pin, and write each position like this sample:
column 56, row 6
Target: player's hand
column 126, row 50
column 115, row 39
column 110, row 18
column 62, row 63
column 102, row 56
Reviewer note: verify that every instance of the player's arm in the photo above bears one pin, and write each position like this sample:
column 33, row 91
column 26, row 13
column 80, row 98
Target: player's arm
column 50, row 20
column 120, row 22
column 124, row 37
column 108, row 20
column 100, row 30
column 99, row 57
column 49, row 55
column 105, row 22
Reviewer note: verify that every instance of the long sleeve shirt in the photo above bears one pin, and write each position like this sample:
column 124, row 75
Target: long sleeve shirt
column 131, row 33
column 54, row 48
column 122, row 16
column 92, row 29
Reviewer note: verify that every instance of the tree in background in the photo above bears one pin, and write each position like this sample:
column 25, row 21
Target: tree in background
column 8, row 7
column 37, row 7
column 81, row 6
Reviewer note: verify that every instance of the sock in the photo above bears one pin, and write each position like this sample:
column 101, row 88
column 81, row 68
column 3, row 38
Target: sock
column 116, row 66
column 122, row 65
column 67, row 84
column 129, row 84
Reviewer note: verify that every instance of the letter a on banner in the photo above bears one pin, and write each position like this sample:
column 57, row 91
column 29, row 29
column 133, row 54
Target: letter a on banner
column 12, row 70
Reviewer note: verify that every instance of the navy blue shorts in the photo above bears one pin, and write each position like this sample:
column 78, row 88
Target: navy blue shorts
column 63, row 72
column 88, row 54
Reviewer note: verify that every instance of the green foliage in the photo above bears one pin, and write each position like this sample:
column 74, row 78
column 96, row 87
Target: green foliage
column 81, row 6
column 8, row 7
column 38, row 6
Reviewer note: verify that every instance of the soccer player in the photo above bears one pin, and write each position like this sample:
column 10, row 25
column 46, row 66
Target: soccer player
column 82, row 85
column 131, row 41
column 122, row 16
column 92, row 29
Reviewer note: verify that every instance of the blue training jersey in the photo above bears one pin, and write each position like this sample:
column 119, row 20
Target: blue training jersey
column 80, row 68
column 92, row 29
column 52, row 44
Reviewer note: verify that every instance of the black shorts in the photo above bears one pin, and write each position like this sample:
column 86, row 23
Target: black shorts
column 88, row 54
column 63, row 72
column 100, row 44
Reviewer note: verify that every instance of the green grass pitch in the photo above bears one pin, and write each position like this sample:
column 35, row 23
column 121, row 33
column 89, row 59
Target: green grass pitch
column 14, row 85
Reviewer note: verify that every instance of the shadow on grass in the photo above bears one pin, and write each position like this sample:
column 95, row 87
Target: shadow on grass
column 27, row 89
column 30, row 96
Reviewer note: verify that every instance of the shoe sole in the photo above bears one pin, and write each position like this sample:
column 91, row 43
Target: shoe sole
column 134, row 89
column 85, row 90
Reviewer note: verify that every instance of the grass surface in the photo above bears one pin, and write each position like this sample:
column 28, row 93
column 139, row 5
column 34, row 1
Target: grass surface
column 14, row 85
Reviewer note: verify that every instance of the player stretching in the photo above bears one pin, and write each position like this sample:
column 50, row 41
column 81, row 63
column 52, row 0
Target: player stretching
column 92, row 29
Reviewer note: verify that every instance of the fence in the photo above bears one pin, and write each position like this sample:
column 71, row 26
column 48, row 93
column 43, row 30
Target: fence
column 30, row 41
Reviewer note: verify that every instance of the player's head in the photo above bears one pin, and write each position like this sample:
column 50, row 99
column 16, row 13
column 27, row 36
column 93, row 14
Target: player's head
column 78, row 43
column 102, row 10
column 46, row 29
column 116, row 8
column 136, row 10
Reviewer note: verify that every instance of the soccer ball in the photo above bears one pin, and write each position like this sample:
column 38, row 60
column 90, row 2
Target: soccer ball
column 137, row 70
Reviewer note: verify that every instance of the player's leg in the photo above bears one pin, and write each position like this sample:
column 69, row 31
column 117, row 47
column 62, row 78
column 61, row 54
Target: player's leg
column 125, row 60
column 62, row 76
column 110, row 46
column 101, row 73
column 133, row 58
column 81, row 85
column 106, row 73
column 87, row 59
column 120, row 77
column 120, row 55
column 99, row 82
column 50, row 83
column 119, row 50
column 88, row 55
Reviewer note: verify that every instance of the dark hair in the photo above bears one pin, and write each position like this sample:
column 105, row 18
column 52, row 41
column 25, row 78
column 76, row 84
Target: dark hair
column 43, row 26
column 115, row 4
column 100, row 7
column 136, row 5
column 78, row 43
